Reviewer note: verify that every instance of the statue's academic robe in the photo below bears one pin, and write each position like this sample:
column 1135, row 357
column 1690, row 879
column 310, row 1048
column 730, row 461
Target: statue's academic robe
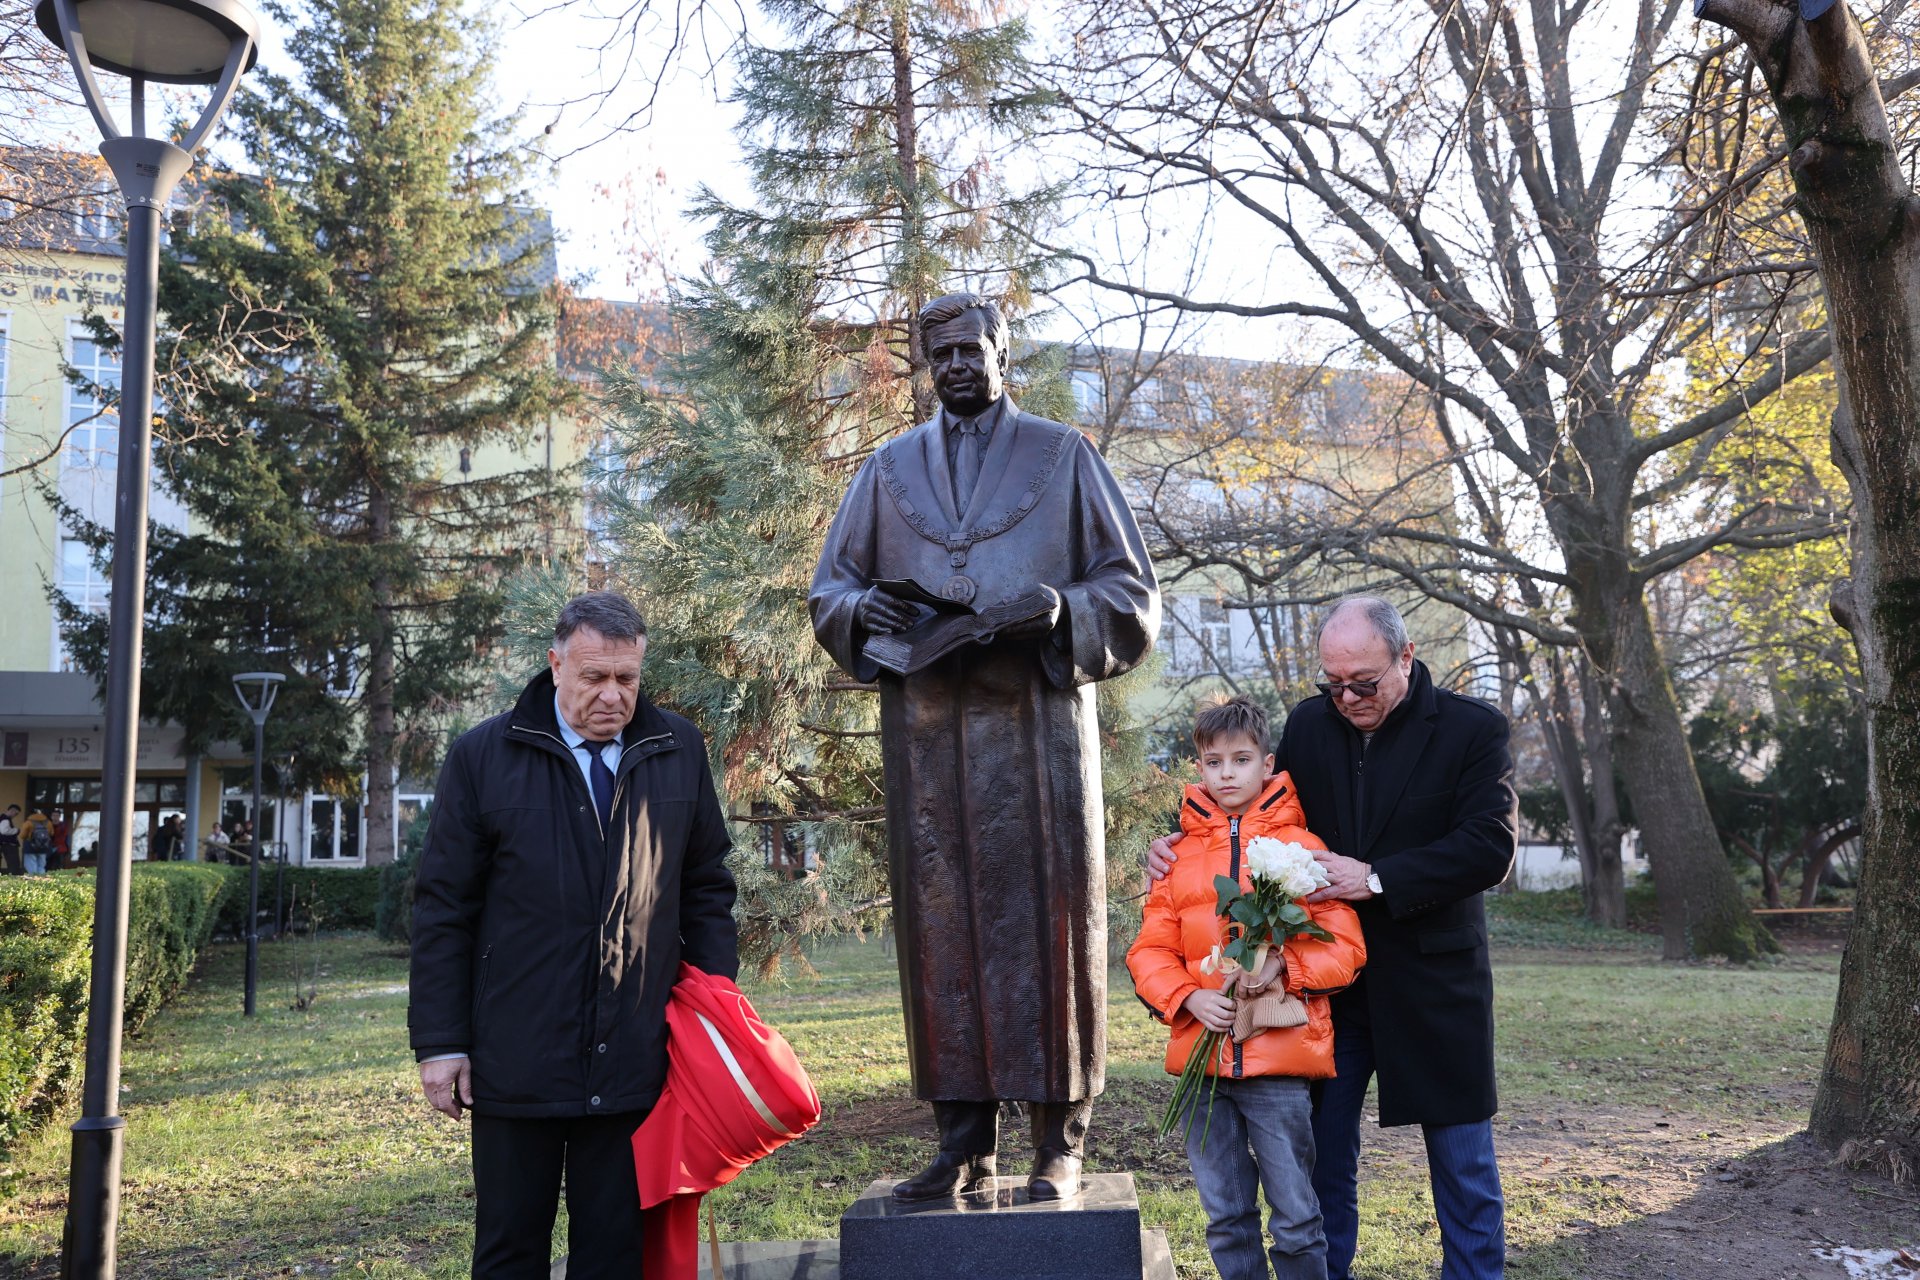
column 995, row 824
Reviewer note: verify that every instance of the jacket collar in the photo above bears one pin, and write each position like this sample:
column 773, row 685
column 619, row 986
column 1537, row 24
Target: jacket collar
column 1277, row 806
column 534, row 713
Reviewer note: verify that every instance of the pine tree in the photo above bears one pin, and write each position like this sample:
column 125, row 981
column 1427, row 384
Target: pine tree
column 348, row 325
column 880, row 133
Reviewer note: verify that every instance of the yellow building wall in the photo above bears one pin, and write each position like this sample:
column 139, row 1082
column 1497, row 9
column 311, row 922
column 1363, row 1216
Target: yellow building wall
column 42, row 296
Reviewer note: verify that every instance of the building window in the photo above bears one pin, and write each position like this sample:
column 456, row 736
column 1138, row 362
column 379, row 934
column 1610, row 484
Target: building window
column 93, row 438
column 83, row 583
column 333, row 829
column 95, row 216
column 1197, row 636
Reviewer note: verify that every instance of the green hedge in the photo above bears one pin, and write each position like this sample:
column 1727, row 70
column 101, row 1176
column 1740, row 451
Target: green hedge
column 46, row 928
column 344, row 898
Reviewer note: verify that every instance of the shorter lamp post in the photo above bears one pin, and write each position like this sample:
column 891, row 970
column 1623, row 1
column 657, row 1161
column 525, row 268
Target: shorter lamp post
column 256, row 691
column 282, row 766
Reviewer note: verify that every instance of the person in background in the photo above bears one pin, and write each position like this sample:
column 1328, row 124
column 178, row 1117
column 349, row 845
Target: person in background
column 217, row 843
column 36, row 842
column 10, row 841
column 62, row 841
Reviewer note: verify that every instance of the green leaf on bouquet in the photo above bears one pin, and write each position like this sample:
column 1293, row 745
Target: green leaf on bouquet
column 1293, row 914
column 1244, row 911
column 1228, row 889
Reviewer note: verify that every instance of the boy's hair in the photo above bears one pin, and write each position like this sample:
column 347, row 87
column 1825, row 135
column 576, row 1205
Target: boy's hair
column 1226, row 717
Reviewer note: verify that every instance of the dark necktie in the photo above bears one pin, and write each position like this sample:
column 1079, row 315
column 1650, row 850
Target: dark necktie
column 966, row 462
column 602, row 780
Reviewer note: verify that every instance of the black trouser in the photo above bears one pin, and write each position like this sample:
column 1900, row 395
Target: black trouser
column 10, row 855
column 517, row 1173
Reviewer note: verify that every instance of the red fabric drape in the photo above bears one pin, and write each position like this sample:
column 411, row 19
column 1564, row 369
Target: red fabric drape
column 735, row 1092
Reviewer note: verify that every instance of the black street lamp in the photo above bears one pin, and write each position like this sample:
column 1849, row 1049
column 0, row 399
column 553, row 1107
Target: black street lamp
column 168, row 42
column 282, row 767
column 256, row 691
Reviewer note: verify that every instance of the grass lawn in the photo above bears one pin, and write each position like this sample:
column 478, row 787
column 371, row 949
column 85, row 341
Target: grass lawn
column 297, row 1143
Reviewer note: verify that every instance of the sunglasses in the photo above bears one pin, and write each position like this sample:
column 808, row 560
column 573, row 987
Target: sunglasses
column 1361, row 688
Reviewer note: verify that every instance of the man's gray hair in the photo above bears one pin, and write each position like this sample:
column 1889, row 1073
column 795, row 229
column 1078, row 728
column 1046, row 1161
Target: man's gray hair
column 1381, row 616
column 607, row 612
column 955, row 305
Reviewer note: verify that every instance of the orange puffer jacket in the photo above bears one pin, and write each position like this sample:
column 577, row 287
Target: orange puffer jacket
column 1181, row 927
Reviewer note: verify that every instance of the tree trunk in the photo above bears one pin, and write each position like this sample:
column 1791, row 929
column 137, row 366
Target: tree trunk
column 1769, row 877
column 1820, row 851
column 381, row 726
column 906, row 145
column 1607, row 894
column 1863, row 222
column 1701, row 911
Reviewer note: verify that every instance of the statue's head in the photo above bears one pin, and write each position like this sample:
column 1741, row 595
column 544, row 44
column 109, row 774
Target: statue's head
column 965, row 340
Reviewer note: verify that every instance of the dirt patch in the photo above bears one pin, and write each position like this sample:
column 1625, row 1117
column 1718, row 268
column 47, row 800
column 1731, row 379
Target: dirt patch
column 870, row 1119
column 1648, row 1195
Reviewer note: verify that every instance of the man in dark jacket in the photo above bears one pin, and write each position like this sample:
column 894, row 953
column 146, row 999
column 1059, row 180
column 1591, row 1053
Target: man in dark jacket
column 1411, row 788
column 576, row 855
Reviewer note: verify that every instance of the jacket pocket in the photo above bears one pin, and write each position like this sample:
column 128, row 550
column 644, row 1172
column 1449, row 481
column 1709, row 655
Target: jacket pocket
column 1459, row 938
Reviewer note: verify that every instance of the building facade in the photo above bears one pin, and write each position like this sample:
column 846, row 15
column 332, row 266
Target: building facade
column 62, row 281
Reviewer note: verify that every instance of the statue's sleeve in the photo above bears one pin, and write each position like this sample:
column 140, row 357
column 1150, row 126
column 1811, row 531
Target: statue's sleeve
column 845, row 572
column 1111, row 613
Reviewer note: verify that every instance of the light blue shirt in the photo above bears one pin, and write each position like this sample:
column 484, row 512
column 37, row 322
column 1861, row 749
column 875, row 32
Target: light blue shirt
column 582, row 754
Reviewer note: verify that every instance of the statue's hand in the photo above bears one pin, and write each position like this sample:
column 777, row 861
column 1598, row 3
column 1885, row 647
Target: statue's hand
column 884, row 614
column 1040, row 625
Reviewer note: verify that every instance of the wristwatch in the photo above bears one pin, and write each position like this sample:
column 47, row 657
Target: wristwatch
column 1373, row 883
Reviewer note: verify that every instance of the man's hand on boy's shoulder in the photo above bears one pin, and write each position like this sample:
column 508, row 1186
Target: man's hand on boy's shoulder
column 1161, row 857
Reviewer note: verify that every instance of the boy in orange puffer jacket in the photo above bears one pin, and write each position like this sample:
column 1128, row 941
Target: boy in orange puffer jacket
column 1259, row 1096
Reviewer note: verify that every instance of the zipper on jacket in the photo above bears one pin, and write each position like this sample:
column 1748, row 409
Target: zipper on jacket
column 1360, row 798
column 480, row 987
column 620, row 784
column 1233, row 845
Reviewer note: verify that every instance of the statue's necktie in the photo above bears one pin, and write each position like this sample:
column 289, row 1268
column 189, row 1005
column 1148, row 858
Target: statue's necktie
column 966, row 461
column 602, row 780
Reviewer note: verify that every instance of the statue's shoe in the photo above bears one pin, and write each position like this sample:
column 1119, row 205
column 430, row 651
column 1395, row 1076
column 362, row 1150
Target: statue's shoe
column 949, row 1175
column 1056, row 1176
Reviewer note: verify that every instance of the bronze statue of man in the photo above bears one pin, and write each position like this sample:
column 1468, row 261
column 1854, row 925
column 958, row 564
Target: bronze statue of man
column 995, row 827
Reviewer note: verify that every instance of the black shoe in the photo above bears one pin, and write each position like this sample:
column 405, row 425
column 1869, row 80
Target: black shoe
column 1056, row 1176
column 949, row 1175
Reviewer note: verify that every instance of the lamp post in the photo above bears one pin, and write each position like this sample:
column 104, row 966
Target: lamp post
column 282, row 766
column 256, row 691
column 168, row 42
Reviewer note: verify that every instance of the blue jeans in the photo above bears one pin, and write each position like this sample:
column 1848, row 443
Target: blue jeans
column 1460, row 1165
column 1260, row 1132
column 36, row 863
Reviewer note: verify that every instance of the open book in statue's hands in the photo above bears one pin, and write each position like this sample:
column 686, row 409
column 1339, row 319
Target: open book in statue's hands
column 952, row 624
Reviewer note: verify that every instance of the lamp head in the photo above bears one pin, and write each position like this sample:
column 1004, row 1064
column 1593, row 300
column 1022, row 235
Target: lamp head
column 166, row 41
column 256, row 691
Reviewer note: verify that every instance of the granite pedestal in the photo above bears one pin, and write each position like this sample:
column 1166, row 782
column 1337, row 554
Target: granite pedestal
column 1000, row 1234
column 997, row 1234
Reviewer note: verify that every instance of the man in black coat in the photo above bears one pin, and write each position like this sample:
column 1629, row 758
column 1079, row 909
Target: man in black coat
column 575, row 856
column 1411, row 788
